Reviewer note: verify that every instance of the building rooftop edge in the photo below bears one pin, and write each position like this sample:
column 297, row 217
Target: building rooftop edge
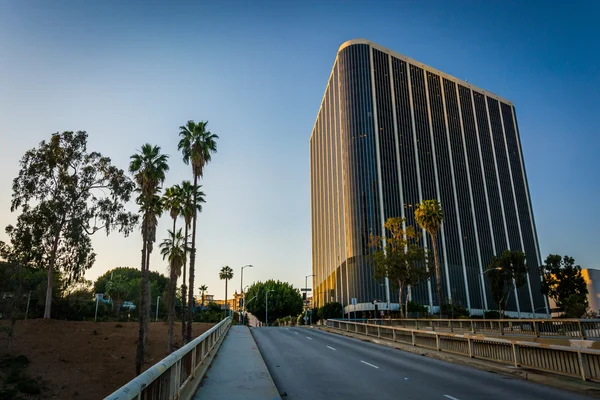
column 420, row 64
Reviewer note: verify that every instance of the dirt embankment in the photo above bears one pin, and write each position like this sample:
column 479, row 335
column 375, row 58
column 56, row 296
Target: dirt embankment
column 86, row 360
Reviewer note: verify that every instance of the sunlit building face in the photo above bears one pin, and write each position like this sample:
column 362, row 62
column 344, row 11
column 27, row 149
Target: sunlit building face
column 392, row 132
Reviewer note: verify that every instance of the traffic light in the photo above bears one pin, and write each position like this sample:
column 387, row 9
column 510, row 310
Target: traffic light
column 304, row 296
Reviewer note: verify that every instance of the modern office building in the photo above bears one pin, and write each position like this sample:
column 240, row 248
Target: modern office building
column 392, row 132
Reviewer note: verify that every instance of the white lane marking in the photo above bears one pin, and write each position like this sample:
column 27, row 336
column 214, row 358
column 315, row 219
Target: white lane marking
column 296, row 333
column 329, row 347
column 308, row 338
column 450, row 397
column 287, row 329
column 371, row 365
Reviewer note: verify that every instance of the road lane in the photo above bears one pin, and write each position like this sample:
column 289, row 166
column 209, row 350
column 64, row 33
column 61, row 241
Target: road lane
column 329, row 366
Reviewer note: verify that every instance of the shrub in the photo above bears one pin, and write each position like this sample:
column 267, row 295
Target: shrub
column 330, row 310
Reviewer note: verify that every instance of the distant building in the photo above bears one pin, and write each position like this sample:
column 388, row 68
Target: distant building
column 392, row 132
column 592, row 278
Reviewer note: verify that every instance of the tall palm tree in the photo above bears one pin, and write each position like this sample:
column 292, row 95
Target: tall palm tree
column 173, row 248
column 149, row 168
column 187, row 211
column 197, row 144
column 430, row 215
column 173, row 201
column 203, row 289
column 226, row 274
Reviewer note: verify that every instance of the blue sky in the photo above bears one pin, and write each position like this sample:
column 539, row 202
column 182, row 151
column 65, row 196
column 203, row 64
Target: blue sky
column 132, row 72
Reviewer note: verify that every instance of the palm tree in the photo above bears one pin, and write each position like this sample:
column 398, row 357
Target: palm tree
column 197, row 144
column 187, row 211
column 149, row 167
column 203, row 289
column 173, row 248
column 430, row 215
column 226, row 274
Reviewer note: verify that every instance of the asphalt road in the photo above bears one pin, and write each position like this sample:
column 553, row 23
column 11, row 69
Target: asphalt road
column 312, row 364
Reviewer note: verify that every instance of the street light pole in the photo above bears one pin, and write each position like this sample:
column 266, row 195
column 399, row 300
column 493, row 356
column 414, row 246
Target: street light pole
column 267, row 306
column 242, row 284
column 157, row 302
column 306, row 287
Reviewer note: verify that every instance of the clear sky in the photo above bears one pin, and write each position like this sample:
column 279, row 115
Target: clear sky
column 132, row 72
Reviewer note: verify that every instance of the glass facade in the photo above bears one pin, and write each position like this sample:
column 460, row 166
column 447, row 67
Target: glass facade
column 391, row 132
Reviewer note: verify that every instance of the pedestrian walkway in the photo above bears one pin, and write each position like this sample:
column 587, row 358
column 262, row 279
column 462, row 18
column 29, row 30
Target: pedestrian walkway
column 238, row 371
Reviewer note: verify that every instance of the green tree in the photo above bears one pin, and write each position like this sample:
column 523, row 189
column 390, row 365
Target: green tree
column 285, row 300
column 173, row 249
column 203, row 288
column 507, row 273
column 188, row 207
column 149, row 167
column 429, row 215
column 398, row 257
column 226, row 274
column 564, row 283
column 197, row 144
column 66, row 194
column 117, row 288
column 133, row 277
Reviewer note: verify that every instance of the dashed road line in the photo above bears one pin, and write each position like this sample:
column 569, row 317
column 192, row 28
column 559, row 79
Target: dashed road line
column 308, row 338
column 329, row 347
column 450, row 397
column 296, row 333
column 371, row 365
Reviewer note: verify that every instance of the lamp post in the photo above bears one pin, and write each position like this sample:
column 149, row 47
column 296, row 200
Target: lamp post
column 157, row 303
column 242, row 282
column 483, row 302
column 306, row 287
column 267, row 306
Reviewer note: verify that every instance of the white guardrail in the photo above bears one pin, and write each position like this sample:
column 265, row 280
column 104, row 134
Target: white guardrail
column 576, row 362
column 168, row 378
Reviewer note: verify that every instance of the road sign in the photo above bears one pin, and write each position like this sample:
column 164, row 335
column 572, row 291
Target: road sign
column 305, row 290
column 354, row 301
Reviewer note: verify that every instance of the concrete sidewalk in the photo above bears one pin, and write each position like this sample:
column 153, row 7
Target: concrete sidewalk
column 238, row 372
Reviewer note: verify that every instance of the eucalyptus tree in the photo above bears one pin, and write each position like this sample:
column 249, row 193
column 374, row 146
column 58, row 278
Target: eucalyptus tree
column 66, row 194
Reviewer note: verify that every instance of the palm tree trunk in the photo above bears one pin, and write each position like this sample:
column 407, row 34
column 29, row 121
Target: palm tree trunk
column 146, row 281
column 192, row 264
column 226, row 304
column 171, row 299
column 438, row 274
column 184, row 288
column 139, row 355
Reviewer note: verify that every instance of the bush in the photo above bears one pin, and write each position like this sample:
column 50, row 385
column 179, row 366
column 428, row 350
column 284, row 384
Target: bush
column 315, row 317
column 491, row 315
column 416, row 308
column 453, row 310
column 330, row 310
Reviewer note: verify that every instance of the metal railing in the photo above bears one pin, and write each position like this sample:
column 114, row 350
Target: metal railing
column 575, row 362
column 168, row 378
column 556, row 328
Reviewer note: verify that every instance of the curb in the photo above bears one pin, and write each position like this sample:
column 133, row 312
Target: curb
column 553, row 380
